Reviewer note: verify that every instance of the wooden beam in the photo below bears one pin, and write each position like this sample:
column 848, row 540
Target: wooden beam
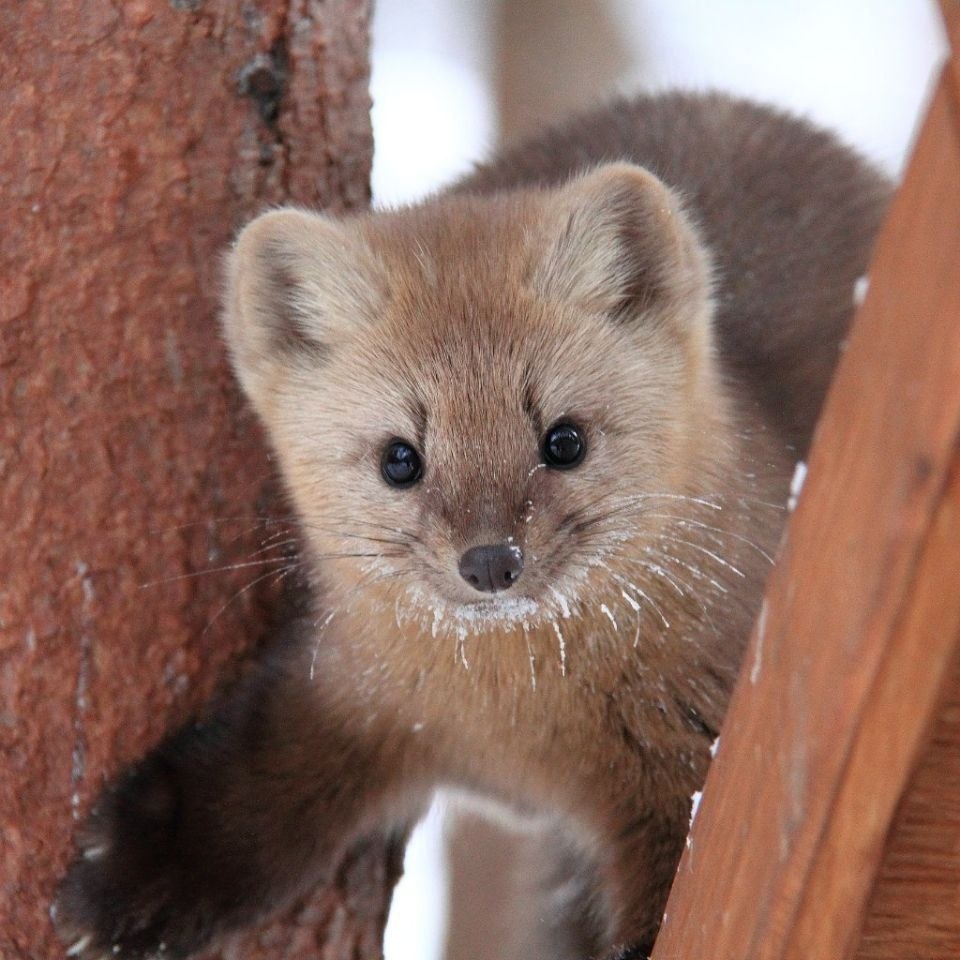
column 914, row 910
column 858, row 636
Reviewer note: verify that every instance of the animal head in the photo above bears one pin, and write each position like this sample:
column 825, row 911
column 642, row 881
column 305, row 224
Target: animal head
column 472, row 401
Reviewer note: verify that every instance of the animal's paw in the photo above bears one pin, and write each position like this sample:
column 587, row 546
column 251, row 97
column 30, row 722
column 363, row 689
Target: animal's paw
column 135, row 890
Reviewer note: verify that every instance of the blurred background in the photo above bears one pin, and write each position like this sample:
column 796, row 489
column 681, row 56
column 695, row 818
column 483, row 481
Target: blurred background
column 454, row 79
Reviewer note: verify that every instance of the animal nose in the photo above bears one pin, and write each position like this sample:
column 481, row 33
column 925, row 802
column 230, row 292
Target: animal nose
column 492, row 566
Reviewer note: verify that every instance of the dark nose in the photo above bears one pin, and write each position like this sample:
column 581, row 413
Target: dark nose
column 492, row 566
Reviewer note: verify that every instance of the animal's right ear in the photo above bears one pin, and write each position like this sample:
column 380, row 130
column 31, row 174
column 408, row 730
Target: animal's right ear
column 619, row 243
column 294, row 279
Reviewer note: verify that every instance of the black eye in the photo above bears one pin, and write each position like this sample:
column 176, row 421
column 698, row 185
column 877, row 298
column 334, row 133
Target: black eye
column 563, row 446
column 400, row 464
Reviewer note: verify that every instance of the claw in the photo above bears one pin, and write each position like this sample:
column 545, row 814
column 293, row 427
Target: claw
column 95, row 853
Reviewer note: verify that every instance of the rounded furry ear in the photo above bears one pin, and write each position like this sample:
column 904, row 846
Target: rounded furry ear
column 619, row 243
column 293, row 279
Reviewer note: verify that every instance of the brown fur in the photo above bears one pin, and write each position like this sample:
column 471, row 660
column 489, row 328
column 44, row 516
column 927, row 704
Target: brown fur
column 531, row 293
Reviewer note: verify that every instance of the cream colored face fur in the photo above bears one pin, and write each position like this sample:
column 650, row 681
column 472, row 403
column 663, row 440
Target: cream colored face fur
column 467, row 327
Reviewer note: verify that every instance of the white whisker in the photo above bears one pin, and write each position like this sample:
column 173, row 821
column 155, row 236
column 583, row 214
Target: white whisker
column 278, row 574
column 224, row 569
column 690, row 522
column 709, row 553
column 643, row 596
column 316, row 644
column 659, row 571
column 633, row 603
column 563, row 649
column 532, row 659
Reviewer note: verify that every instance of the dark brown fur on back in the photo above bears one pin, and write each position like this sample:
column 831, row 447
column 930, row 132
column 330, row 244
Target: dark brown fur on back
column 686, row 327
column 788, row 211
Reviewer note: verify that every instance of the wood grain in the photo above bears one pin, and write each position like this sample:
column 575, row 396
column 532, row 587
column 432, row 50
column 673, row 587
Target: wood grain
column 915, row 906
column 858, row 634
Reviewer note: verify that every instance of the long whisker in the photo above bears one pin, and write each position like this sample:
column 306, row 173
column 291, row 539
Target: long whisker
column 258, row 563
column 275, row 546
column 690, row 522
column 628, row 584
column 704, row 550
column 276, row 574
column 200, row 573
column 331, row 614
column 217, row 521
column 562, row 648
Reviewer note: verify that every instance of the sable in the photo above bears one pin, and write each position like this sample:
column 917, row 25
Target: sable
column 539, row 430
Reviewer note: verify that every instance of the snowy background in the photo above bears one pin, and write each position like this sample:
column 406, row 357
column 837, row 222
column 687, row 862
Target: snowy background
column 861, row 67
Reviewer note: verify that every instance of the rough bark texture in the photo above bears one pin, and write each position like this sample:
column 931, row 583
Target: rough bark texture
column 135, row 138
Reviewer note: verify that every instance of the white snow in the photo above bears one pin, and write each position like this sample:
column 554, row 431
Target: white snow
column 695, row 798
column 563, row 649
column 796, row 484
column 860, row 289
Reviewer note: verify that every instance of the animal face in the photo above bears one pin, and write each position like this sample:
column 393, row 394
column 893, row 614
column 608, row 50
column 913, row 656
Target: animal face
column 475, row 406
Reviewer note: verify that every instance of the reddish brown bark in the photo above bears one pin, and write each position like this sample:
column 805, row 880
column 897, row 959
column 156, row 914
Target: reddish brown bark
column 134, row 139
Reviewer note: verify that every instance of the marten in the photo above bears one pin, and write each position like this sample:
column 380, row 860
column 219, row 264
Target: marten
column 538, row 430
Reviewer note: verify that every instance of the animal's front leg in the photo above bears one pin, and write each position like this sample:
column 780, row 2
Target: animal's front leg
column 645, row 847
column 220, row 823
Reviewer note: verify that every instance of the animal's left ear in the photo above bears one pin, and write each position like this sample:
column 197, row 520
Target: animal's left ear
column 617, row 242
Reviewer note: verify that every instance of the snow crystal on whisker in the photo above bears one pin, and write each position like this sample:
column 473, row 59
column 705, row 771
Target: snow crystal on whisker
column 606, row 610
column 633, row 603
column 563, row 649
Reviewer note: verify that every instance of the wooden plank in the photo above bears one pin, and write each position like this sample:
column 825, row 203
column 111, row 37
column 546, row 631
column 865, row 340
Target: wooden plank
column 845, row 669
column 892, row 732
column 915, row 908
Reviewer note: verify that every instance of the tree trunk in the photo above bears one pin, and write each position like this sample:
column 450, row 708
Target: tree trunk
column 134, row 139
column 554, row 58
